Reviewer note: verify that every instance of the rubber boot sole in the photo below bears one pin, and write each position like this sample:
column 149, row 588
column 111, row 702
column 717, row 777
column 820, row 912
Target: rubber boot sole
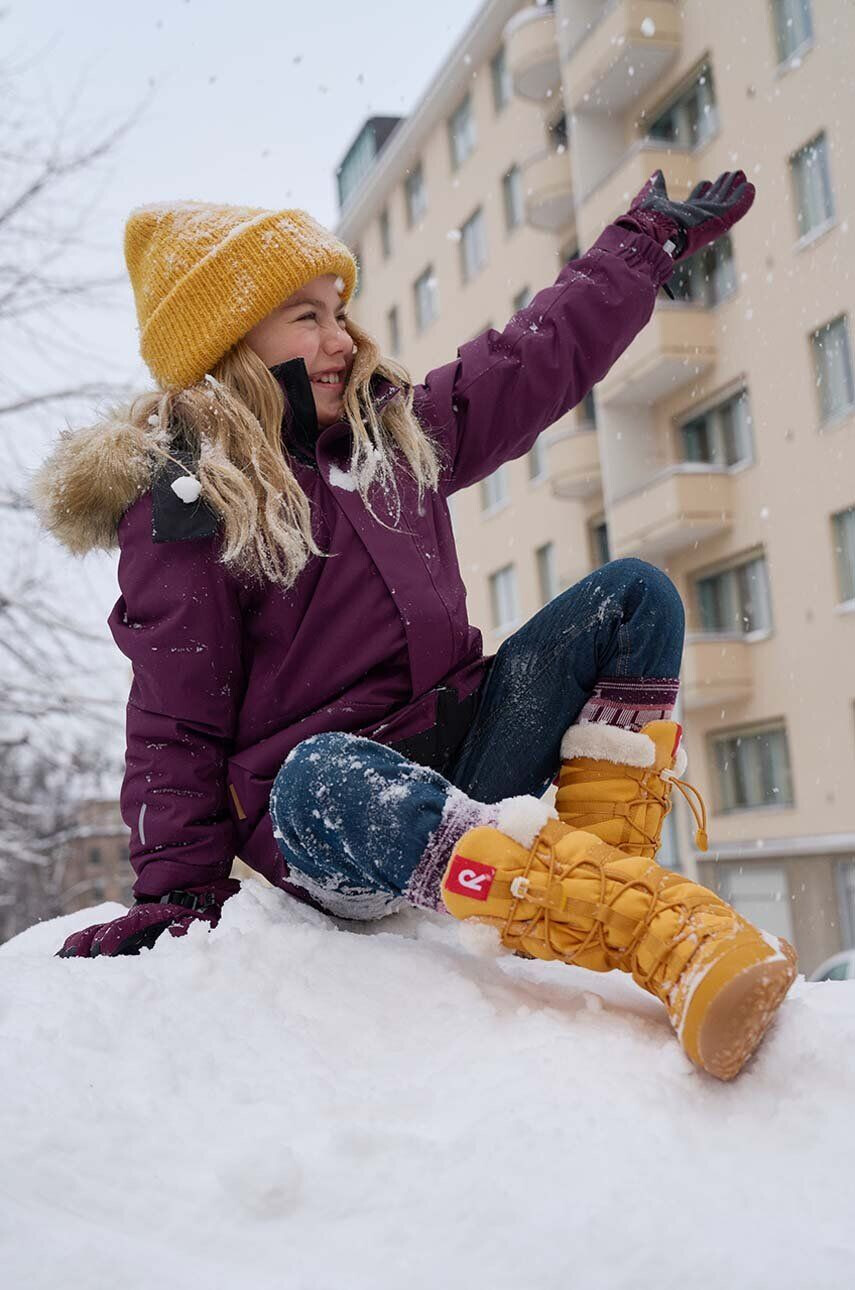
column 731, row 1009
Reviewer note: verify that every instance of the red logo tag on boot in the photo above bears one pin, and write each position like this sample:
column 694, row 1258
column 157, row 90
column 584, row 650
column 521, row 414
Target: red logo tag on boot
column 469, row 878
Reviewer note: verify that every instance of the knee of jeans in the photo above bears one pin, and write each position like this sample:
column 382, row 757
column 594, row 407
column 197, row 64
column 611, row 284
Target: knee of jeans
column 307, row 776
column 658, row 586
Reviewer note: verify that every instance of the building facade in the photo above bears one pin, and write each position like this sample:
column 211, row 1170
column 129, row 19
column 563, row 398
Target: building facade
column 721, row 445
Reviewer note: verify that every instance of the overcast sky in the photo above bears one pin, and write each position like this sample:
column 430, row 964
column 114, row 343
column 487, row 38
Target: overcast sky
column 245, row 101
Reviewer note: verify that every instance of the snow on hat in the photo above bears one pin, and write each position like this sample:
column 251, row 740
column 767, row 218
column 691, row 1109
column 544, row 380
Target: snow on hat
column 204, row 275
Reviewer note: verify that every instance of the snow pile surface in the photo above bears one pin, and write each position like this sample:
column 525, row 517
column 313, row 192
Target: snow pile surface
column 288, row 1103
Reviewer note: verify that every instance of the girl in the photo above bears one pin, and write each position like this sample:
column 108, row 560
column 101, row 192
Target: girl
column 307, row 691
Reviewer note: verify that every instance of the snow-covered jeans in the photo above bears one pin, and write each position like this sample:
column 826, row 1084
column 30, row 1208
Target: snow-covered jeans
column 364, row 829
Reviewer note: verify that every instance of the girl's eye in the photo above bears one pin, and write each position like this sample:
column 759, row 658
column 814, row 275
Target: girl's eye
column 342, row 318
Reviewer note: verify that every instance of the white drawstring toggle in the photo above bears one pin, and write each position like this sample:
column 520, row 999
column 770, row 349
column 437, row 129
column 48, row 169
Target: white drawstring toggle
column 187, row 487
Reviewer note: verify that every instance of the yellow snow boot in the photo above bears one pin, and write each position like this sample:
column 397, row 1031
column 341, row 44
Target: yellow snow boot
column 617, row 784
column 564, row 894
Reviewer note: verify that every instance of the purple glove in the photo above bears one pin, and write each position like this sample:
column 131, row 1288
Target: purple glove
column 148, row 919
column 708, row 212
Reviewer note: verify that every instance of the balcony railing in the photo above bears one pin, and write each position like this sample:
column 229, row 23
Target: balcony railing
column 676, row 346
column 716, row 670
column 532, row 53
column 548, row 190
column 622, row 56
column 673, row 511
column 574, row 463
column 612, row 195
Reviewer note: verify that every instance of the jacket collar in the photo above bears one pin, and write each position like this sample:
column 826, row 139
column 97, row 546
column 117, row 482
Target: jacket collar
column 300, row 430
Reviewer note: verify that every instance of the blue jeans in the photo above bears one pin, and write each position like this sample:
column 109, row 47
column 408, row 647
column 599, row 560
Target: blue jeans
column 363, row 829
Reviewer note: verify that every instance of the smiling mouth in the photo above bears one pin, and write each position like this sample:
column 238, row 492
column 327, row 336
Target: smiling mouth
column 335, row 387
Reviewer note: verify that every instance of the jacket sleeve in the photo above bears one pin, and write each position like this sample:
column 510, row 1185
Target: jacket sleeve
column 490, row 404
column 178, row 620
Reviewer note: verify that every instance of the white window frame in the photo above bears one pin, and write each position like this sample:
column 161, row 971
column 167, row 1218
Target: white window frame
column 500, row 78
column 726, row 803
column 503, row 599
column 545, row 561
column 810, row 179
column 538, row 463
column 716, row 432
column 843, row 372
column 735, row 571
column 426, row 293
column 415, row 195
column 787, row 14
column 702, row 85
column 512, row 198
column 473, row 246
column 495, row 491
column 843, row 541
column 462, row 133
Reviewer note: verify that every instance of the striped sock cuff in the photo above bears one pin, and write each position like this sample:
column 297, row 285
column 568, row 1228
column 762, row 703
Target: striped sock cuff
column 459, row 814
column 631, row 701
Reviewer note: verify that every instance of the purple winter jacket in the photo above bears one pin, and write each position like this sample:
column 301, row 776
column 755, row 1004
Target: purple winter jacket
column 228, row 678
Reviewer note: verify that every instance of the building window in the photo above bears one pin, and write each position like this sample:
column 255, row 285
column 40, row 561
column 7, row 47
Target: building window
column 385, row 234
column 513, row 198
column 524, row 297
column 501, row 79
column 394, row 330
column 494, row 489
column 473, row 246
column 759, row 893
column 568, row 253
column 735, row 599
column 503, row 598
column 832, row 357
column 843, row 527
column 708, row 277
column 793, row 26
column 752, row 768
column 547, row 577
column 461, row 133
column 812, row 185
column 721, row 436
column 99, row 889
column 588, row 410
column 537, row 467
column 598, row 537
column 691, row 119
column 845, row 872
column 416, row 195
column 94, row 857
column 556, row 133
column 426, row 289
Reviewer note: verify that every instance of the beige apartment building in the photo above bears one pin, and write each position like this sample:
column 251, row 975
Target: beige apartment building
column 721, row 445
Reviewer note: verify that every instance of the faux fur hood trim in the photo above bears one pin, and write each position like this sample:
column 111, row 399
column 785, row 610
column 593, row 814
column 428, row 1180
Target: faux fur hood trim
column 90, row 478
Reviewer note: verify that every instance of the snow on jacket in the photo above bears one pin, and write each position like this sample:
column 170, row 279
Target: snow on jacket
column 229, row 677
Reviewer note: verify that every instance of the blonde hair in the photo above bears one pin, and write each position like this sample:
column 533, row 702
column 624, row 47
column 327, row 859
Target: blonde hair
column 233, row 421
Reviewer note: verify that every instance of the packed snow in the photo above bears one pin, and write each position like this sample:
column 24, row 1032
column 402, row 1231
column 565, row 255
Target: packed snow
column 290, row 1102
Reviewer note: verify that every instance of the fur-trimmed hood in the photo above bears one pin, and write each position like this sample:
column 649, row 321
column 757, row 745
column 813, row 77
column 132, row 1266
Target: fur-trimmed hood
column 91, row 477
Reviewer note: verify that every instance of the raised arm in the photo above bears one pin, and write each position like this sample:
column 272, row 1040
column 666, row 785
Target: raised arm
column 489, row 404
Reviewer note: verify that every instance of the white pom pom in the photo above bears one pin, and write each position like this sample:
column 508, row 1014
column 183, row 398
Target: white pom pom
column 187, row 488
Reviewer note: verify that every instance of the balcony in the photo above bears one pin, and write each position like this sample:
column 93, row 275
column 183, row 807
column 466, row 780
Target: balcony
column 717, row 670
column 623, row 55
column 532, row 53
column 548, row 191
column 612, row 196
column 574, row 463
column 676, row 346
column 675, row 510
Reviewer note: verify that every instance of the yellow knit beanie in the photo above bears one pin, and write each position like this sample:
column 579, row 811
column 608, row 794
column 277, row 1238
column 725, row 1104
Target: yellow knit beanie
column 204, row 275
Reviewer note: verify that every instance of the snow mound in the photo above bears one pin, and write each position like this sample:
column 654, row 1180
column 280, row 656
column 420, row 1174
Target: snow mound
column 289, row 1102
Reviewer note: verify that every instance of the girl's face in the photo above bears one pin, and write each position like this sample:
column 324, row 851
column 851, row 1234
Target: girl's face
column 310, row 325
